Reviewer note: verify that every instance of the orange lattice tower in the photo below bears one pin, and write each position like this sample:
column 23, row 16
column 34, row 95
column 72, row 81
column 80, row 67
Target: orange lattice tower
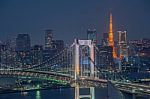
column 111, row 38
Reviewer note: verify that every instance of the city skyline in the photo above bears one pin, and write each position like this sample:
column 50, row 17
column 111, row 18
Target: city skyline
column 96, row 49
column 69, row 21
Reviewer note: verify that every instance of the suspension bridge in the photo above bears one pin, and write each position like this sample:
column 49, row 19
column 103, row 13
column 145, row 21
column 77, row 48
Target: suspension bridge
column 75, row 65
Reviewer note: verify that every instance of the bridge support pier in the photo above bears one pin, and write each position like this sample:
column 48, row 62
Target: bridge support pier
column 77, row 92
column 92, row 92
column 90, row 96
column 133, row 96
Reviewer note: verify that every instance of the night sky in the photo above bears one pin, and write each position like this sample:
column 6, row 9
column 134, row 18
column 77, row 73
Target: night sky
column 71, row 18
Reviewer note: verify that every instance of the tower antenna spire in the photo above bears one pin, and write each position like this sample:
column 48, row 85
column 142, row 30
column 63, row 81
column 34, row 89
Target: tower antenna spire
column 111, row 36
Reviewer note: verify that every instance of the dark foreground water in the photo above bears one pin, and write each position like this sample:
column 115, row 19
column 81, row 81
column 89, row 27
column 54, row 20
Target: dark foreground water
column 68, row 93
column 63, row 93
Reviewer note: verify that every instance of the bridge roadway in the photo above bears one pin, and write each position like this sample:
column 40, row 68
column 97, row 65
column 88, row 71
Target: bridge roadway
column 36, row 74
column 47, row 75
column 133, row 88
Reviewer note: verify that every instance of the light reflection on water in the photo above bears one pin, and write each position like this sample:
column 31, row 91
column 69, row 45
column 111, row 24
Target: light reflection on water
column 38, row 94
column 66, row 93
column 62, row 93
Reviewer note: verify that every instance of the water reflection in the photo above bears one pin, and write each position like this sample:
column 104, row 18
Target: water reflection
column 38, row 94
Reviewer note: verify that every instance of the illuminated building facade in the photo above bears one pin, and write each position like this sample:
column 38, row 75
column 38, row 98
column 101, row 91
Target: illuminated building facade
column 91, row 35
column 48, row 39
column 37, row 54
column 122, row 45
column 104, row 57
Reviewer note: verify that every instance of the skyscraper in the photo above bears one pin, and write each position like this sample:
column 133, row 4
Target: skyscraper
column 58, row 45
column 23, row 42
column 48, row 39
column 37, row 54
column 122, row 44
column 52, row 47
column 105, row 39
column 91, row 35
column 104, row 57
column 111, row 36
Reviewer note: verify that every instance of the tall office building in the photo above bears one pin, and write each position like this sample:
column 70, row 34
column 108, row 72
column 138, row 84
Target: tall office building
column 37, row 54
column 105, row 57
column 23, row 42
column 105, row 39
column 122, row 37
column 111, row 36
column 58, row 45
column 122, row 44
column 52, row 47
column 48, row 39
column 91, row 35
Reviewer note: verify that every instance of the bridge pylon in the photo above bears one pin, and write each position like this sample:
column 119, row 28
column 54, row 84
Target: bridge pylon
column 92, row 60
column 77, row 61
column 91, row 95
column 77, row 56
